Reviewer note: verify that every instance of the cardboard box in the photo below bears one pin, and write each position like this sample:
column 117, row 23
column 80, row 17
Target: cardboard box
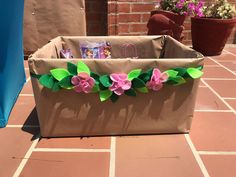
column 68, row 113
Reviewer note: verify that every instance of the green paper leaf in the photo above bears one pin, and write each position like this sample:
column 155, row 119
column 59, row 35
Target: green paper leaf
column 194, row 73
column 66, row 82
column 37, row 76
column 95, row 89
column 59, row 73
column 82, row 67
column 95, row 76
column 134, row 74
column 101, row 86
column 181, row 71
column 200, row 67
column 150, row 71
column 171, row 81
column 179, row 80
column 144, row 77
column 72, row 68
column 114, row 97
column 172, row 73
column 105, row 94
column 130, row 92
column 56, row 87
column 142, row 89
column 137, row 83
column 47, row 81
column 105, row 80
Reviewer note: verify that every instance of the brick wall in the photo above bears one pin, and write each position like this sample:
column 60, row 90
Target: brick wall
column 126, row 17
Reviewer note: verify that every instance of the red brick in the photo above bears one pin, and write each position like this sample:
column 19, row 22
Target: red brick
column 112, row 19
column 145, row 17
column 138, row 28
column 142, row 7
column 112, row 30
column 124, row 28
column 124, row 8
column 112, row 8
column 129, row 18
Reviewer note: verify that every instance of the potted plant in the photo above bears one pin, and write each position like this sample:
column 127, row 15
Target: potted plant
column 212, row 27
column 169, row 16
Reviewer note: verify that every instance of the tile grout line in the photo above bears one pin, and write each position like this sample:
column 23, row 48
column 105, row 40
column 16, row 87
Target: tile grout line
column 69, row 150
column 222, row 65
column 197, row 156
column 112, row 157
column 217, row 152
column 219, row 96
column 228, row 98
column 229, row 52
column 26, row 157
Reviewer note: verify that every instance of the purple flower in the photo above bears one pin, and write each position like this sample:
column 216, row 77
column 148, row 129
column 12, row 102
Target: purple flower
column 120, row 83
column 66, row 53
column 157, row 79
column 191, row 6
column 179, row 5
column 83, row 82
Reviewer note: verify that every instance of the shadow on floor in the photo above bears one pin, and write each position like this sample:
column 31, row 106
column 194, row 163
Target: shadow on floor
column 31, row 125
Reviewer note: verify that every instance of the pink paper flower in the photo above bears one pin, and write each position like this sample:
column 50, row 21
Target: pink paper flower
column 83, row 82
column 120, row 83
column 157, row 79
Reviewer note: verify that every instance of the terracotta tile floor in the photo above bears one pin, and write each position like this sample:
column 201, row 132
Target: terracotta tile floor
column 209, row 150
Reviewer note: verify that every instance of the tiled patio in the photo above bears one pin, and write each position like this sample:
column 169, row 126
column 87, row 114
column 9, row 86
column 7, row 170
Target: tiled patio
column 209, row 150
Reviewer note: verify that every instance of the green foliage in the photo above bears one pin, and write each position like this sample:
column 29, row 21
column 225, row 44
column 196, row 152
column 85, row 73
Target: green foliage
column 82, row 67
column 114, row 97
column 105, row 80
column 194, row 73
column 72, row 68
column 134, row 74
column 59, row 73
column 61, row 78
column 66, row 82
column 105, row 94
column 130, row 92
column 56, row 87
column 47, row 81
column 142, row 89
column 95, row 88
column 221, row 9
column 138, row 83
column 171, row 73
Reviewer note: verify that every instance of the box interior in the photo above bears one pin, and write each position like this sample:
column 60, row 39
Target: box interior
column 146, row 47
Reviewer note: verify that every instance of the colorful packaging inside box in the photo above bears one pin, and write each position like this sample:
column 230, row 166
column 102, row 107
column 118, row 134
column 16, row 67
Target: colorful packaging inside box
column 151, row 92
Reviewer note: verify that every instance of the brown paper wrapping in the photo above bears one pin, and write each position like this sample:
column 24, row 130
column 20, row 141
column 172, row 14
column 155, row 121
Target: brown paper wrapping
column 67, row 113
column 47, row 19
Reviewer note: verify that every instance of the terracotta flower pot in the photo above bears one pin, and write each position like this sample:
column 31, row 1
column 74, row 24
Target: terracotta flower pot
column 166, row 23
column 209, row 35
column 178, row 19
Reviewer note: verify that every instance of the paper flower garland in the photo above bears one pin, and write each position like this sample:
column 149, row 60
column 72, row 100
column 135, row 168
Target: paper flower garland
column 81, row 79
